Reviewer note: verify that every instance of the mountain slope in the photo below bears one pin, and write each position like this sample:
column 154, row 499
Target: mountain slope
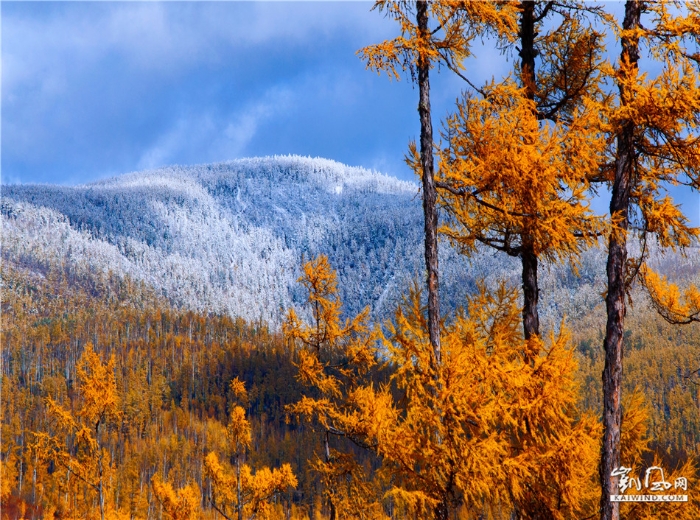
column 230, row 237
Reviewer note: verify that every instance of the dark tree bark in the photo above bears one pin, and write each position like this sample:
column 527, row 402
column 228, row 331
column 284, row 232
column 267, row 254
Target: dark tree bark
column 615, row 299
column 442, row 511
column 327, row 453
column 528, row 53
column 531, row 317
column 429, row 205
column 429, row 192
column 239, row 490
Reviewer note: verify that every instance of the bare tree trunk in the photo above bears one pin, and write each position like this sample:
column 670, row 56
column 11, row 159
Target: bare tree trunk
column 327, row 449
column 442, row 511
column 531, row 317
column 100, row 487
column 239, row 490
column 615, row 299
column 528, row 53
column 429, row 192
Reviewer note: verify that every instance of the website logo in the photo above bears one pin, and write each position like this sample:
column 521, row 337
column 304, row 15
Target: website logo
column 654, row 482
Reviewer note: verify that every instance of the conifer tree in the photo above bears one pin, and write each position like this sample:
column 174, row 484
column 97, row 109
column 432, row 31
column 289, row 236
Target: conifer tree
column 417, row 50
column 509, row 433
column 635, row 445
column 182, row 504
column 514, row 173
column 654, row 132
column 494, row 423
column 79, row 445
column 244, row 493
column 335, row 360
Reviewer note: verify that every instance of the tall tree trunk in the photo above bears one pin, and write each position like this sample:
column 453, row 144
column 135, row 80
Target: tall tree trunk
column 615, row 299
column 239, row 487
column 442, row 511
column 531, row 317
column 429, row 192
column 528, row 257
column 100, row 485
column 327, row 449
column 528, row 53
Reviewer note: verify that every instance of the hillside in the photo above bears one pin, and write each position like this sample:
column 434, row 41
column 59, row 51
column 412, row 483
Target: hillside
column 229, row 238
column 118, row 267
column 172, row 372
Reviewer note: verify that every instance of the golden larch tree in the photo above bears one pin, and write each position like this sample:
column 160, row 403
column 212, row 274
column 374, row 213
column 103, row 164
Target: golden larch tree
column 514, row 173
column 433, row 32
column 182, row 504
column 79, row 444
column 498, row 425
column 496, row 422
column 243, row 492
column 334, row 361
column 655, row 142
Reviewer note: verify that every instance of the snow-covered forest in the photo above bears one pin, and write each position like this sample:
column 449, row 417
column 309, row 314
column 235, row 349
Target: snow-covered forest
column 229, row 238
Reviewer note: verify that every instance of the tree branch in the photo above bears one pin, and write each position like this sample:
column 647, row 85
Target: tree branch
column 473, row 194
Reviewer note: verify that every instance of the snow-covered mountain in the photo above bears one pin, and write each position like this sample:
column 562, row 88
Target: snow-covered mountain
column 228, row 237
column 231, row 237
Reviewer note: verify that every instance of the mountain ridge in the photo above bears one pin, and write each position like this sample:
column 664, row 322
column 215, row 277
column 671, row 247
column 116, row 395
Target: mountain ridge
column 196, row 233
column 230, row 237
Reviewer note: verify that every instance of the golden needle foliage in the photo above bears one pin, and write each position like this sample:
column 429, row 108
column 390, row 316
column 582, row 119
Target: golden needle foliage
column 180, row 505
column 442, row 33
column 335, row 359
column 456, row 25
column 513, row 182
column 668, row 301
column 258, row 488
column 486, row 425
column 78, row 442
column 241, row 491
column 635, row 449
column 664, row 112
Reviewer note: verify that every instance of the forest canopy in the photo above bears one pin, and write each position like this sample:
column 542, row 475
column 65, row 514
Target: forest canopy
column 118, row 402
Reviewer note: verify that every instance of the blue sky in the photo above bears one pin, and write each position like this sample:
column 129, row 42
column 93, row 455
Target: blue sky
column 96, row 89
column 91, row 90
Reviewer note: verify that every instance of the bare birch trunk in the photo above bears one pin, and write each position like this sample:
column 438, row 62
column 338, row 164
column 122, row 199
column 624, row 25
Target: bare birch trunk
column 327, row 449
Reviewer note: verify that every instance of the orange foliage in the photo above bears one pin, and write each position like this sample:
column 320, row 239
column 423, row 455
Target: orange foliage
column 457, row 24
column 335, row 360
column 243, row 492
column 667, row 299
column 484, row 425
column 180, row 505
column 513, row 183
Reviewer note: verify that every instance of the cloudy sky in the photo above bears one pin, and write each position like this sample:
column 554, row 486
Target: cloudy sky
column 91, row 90
column 96, row 89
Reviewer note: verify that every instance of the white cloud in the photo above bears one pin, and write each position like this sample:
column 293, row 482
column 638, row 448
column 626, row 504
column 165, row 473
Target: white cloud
column 215, row 139
column 169, row 36
column 169, row 144
column 238, row 133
